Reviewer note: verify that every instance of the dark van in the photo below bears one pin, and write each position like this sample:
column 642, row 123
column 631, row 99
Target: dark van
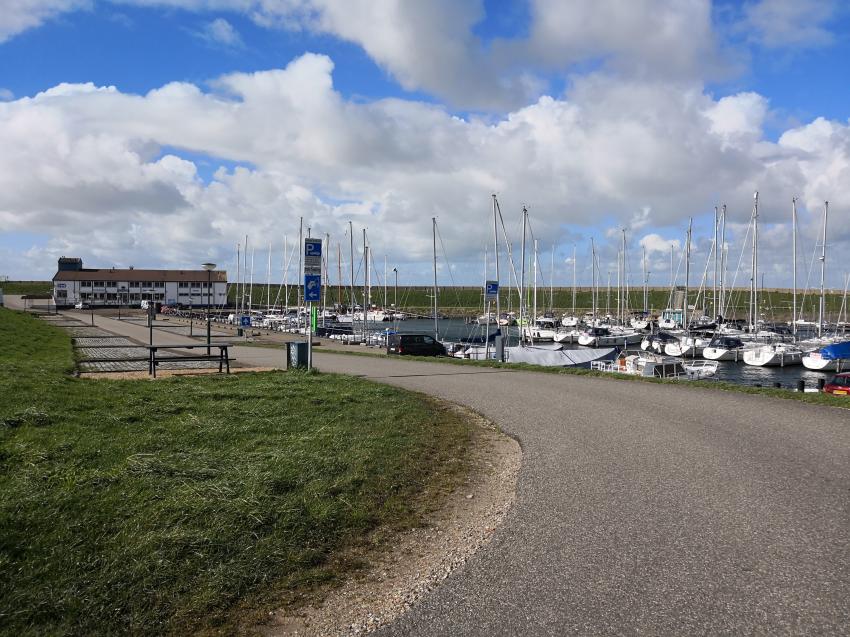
column 414, row 345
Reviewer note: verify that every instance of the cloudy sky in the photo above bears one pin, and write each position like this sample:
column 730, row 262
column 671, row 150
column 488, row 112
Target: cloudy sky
column 158, row 133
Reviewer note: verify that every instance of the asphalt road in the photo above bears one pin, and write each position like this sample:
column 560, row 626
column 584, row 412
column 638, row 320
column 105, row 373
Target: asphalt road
column 643, row 508
column 646, row 509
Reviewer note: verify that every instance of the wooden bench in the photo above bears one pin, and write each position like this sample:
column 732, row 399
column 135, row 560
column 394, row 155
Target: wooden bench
column 222, row 357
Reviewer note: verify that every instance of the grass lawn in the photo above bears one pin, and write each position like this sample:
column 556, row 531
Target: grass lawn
column 183, row 504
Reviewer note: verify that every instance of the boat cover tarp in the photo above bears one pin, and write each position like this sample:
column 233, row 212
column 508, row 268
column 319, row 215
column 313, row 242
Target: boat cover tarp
column 836, row 351
column 558, row 358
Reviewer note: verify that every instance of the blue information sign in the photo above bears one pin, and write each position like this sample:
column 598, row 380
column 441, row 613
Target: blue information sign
column 492, row 290
column 312, row 288
column 245, row 321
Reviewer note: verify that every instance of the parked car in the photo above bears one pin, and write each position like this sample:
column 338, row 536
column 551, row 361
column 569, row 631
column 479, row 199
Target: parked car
column 839, row 385
column 81, row 306
column 414, row 345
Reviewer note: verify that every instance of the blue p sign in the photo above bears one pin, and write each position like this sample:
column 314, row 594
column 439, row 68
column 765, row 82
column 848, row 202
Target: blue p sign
column 313, row 248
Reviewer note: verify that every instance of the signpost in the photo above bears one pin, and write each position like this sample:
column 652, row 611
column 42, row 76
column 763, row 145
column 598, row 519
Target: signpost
column 491, row 293
column 312, row 286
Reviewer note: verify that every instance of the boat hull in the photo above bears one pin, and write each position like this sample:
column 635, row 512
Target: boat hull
column 820, row 364
column 772, row 358
column 722, row 354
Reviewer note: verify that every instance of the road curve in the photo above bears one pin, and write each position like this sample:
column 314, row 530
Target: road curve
column 645, row 508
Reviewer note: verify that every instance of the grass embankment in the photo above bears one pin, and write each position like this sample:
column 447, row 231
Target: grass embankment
column 183, row 504
column 467, row 301
column 26, row 287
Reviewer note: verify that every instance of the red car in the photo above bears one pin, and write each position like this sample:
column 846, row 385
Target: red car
column 839, row 385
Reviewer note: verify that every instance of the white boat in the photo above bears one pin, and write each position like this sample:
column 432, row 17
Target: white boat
column 543, row 329
column 567, row 335
column 671, row 319
column 724, row 348
column 608, row 337
column 652, row 365
column 657, row 342
column 568, row 320
column 773, row 355
column 640, row 321
column 832, row 358
column 487, row 319
column 687, row 346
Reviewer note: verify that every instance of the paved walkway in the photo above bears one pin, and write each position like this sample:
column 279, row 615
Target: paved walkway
column 644, row 508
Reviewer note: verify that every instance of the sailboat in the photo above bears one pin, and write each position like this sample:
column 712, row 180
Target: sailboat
column 724, row 348
column 831, row 358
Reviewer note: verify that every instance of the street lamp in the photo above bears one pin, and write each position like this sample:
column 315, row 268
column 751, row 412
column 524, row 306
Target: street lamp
column 209, row 267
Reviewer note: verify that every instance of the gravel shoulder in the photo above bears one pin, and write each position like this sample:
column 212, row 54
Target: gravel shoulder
column 417, row 561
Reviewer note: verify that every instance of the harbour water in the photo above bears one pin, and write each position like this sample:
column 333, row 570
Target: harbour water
column 728, row 371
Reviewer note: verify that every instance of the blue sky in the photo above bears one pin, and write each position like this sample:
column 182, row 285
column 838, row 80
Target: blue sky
column 235, row 118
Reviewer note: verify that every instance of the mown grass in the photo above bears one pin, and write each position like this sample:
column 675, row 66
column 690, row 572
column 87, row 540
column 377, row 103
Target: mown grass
column 178, row 505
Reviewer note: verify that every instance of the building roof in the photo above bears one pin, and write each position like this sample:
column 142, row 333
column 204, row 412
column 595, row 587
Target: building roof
column 115, row 274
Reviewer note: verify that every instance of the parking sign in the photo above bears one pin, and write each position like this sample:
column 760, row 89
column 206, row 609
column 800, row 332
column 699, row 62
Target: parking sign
column 312, row 256
column 491, row 291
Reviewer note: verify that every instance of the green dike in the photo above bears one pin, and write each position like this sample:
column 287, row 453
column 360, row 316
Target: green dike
column 187, row 504
column 26, row 287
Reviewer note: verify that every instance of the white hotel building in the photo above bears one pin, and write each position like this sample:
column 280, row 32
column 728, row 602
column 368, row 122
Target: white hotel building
column 73, row 284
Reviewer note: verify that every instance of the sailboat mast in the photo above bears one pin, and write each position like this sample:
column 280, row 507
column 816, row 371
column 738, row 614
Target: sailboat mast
column 238, row 257
column 723, row 257
column 534, row 309
column 251, row 286
column 522, row 277
column 625, row 282
column 244, row 275
column 714, row 278
column 496, row 252
column 593, row 278
column 300, row 249
column 269, row 279
column 326, row 280
column 645, row 284
column 364, row 305
column 552, row 282
column 687, row 273
column 822, row 310
column 434, row 236
column 619, row 283
column 794, row 262
column 574, row 279
column 754, row 280
column 351, row 280
column 285, row 273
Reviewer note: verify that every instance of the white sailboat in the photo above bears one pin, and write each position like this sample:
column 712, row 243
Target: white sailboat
column 832, row 358
column 773, row 355
column 724, row 348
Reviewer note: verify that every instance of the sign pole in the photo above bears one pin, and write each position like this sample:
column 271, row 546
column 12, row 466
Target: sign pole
column 312, row 287
column 310, row 340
